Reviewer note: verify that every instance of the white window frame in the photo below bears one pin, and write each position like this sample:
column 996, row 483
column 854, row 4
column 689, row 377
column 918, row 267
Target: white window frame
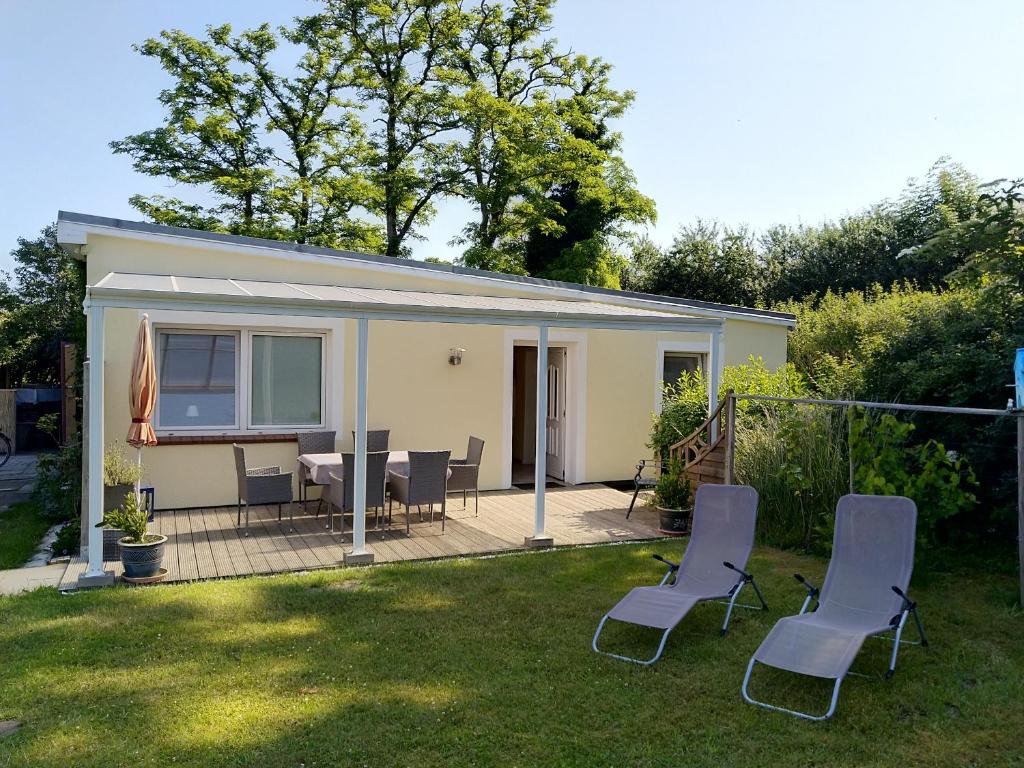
column 238, row 376
column 247, row 336
column 332, row 351
column 702, row 348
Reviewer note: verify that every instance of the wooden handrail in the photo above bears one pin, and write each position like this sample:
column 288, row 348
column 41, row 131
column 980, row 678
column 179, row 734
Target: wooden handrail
column 693, row 448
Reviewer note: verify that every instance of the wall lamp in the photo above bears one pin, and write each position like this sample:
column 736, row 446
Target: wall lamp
column 455, row 356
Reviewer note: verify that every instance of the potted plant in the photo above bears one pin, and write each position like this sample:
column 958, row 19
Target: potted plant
column 672, row 500
column 142, row 553
column 119, row 477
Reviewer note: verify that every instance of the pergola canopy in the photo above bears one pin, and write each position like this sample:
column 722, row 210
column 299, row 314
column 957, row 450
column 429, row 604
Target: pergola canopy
column 119, row 289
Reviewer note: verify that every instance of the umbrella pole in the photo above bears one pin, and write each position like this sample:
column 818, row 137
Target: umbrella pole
column 138, row 479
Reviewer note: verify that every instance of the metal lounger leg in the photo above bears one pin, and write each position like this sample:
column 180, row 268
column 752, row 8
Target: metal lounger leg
column 896, row 645
column 647, row 663
column 920, row 627
column 728, row 611
column 831, row 707
column 636, row 492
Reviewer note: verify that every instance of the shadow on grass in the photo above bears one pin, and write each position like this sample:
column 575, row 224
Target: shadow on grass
column 477, row 662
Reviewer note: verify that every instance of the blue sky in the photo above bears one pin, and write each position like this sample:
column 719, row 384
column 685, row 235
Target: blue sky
column 750, row 112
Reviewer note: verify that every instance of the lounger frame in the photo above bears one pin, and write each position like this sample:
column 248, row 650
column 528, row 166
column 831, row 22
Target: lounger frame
column 899, row 623
column 744, row 578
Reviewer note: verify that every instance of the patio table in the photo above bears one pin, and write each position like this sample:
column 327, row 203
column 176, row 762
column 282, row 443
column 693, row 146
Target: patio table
column 321, row 465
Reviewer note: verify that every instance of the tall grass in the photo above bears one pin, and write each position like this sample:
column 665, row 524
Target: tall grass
column 797, row 459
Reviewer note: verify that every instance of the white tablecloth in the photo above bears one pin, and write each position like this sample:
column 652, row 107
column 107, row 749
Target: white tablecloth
column 321, row 465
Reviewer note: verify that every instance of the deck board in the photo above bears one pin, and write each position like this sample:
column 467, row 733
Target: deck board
column 205, row 543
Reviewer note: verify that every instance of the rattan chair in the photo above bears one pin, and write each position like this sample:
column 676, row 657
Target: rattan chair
column 261, row 485
column 426, row 483
column 376, row 440
column 465, row 473
column 340, row 495
column 312, row 442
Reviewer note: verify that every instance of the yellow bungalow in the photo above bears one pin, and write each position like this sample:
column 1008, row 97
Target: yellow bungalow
column 258, row 340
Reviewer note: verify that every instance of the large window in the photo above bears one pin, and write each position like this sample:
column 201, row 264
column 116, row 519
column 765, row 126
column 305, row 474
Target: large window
column 198, row 373
column 287, row 372
column 238, row 380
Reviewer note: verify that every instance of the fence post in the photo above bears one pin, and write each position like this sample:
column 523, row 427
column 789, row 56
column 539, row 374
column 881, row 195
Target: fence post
column 730, row 439
column 1020, row 502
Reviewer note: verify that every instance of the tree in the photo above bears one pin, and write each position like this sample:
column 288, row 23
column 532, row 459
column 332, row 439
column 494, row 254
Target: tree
column 279, row 155
column 543, row 169
column 394, row 52
column 590, row 209
column 514, row 139
column 706, row 261
column 40, row 306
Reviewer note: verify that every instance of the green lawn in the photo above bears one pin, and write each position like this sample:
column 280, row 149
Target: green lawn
column 484, row 662
column 21, row 530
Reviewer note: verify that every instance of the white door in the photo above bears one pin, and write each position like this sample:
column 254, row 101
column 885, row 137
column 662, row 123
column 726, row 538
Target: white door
column 556, row 413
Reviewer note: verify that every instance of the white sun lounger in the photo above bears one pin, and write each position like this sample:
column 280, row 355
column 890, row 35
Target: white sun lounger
column 712, row 568
column 864, row 594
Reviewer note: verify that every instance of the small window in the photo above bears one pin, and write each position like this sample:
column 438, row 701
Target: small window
column 287, row 372
column 678, row 363
column 197, row 380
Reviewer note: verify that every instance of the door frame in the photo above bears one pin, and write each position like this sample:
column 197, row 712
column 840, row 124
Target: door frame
column 575, row 343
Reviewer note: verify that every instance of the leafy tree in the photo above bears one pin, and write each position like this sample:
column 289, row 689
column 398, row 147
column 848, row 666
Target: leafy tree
column 279, row 155
column 591, row 208
column 40, row 306
column 993, row 241
column 542, row 168
column 879, row 245
column 514, row 140
column 395, row 53
column 706, row 261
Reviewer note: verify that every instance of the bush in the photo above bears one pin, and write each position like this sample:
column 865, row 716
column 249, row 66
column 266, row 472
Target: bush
column 953, row 348
column 68, row 539
column 130, row 517
column 673, row 489
column 884, row 462
column 685, row 404
column 58, row 489
column 796, row 459
column 118, row 469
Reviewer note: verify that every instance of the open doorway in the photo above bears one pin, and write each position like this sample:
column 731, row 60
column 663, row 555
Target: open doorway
column 524, row 413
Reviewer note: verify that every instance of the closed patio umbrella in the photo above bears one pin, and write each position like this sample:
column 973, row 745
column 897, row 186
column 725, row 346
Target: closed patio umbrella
column 142, row 394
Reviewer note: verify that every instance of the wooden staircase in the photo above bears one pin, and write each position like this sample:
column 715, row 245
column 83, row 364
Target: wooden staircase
column 706, row 454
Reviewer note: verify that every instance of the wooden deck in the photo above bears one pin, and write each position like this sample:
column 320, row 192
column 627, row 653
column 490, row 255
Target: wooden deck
column 205, row 544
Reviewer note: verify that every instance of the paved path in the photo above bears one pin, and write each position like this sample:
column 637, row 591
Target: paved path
column 21, row 579
column 17, row 477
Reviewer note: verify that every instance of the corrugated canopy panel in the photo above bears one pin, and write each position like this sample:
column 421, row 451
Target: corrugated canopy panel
column 222, row 294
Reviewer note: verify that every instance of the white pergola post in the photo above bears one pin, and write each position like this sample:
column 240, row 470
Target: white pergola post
column 540, row 538
column 359, row 554
column 94, row 574
column 714, row 376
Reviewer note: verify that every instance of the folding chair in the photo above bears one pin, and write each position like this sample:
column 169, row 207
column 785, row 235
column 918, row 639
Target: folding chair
column 864, row 594
column 712, row 568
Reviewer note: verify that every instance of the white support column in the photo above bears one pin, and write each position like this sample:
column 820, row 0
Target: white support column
column 359, row 554
column 95, row 575
column 714, row 376
column 540, row 538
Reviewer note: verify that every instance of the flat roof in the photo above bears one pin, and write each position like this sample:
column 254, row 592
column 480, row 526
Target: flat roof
column 161, row 230
column 145, row 291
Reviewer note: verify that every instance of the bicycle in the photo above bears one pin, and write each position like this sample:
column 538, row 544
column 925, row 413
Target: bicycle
column 5, row 449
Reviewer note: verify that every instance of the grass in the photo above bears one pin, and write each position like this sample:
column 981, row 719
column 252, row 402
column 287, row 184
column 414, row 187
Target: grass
column 485, row 662
column 22, row 527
